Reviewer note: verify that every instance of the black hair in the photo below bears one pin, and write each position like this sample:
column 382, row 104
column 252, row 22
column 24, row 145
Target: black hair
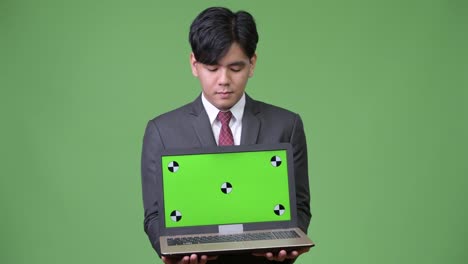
column 215, row 29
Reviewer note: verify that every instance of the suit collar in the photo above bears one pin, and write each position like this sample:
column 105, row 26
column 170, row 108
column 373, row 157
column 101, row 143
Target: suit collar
column 201, row 123
column 250, row 122
column 197, row 108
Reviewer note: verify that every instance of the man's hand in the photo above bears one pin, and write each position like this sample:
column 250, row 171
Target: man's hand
column 282, row 254
column 192, row 259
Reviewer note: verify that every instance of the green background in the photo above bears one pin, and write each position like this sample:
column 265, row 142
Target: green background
column 195, row 188
column 381, row 87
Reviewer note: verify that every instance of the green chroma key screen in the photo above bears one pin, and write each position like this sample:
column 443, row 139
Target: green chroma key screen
column 225, row 188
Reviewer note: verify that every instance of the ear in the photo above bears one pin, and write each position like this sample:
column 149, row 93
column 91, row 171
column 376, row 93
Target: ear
column 253, row 62
column 193, row 63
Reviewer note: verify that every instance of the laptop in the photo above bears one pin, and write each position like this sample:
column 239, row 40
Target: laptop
column 227, row 200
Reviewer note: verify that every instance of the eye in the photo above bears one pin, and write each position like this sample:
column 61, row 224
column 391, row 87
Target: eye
column 212, row 69
column 236, row 69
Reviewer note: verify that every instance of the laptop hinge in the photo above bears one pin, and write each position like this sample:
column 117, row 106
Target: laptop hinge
column 230, row 229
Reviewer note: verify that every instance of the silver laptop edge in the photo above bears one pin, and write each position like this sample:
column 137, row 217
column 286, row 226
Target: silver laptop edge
column 233, row 247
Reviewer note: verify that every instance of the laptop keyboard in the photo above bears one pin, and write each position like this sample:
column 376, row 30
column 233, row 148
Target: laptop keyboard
column 232, row 238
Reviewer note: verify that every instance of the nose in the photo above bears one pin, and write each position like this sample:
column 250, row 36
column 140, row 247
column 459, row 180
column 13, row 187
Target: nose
column 224, row 78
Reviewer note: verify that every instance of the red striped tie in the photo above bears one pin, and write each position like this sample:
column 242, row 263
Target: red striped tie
column 225, row 135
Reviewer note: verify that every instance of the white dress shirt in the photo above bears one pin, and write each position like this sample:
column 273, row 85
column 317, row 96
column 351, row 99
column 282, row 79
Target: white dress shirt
column 236, row 121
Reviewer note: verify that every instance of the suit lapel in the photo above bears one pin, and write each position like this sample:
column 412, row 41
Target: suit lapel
column 250, row 122
column 202, row 127
column 201, row 124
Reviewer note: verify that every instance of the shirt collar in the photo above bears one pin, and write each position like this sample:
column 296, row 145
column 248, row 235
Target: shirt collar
column 237, row 110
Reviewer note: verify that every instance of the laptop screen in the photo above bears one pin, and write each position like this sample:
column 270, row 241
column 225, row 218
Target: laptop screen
column 225, row 188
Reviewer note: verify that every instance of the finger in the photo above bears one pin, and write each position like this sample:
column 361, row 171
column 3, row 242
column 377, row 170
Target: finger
column 282, row 255
column 212, row 257
column 193, row 259
column 203, row 259
column 301, row 251
column 185, row 260
column 293, row 254
column 168, row 260
column 269, row 256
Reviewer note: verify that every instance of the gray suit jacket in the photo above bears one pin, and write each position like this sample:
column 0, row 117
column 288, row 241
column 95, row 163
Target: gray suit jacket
column 189, row 126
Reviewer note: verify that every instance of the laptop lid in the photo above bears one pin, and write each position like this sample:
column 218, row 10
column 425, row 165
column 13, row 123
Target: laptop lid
column 223, row 189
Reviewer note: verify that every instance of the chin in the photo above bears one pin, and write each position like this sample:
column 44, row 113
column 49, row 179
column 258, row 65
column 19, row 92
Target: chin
column 224, row 107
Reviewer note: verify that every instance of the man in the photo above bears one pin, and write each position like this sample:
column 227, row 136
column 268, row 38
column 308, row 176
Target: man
column 223, row 59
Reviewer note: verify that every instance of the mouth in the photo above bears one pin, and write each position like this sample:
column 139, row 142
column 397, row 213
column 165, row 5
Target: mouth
column 224, row 94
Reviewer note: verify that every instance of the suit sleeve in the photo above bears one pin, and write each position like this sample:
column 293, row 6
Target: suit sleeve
column 150, row 178
column 298, row 142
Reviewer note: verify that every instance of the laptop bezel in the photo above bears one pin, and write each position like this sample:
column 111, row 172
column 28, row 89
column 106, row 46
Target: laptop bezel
column 170, row 231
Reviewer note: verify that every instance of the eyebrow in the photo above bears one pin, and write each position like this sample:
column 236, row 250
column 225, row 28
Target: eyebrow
column 237, row 63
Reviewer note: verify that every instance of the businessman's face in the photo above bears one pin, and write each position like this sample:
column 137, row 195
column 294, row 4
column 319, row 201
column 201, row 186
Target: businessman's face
column 224, row 84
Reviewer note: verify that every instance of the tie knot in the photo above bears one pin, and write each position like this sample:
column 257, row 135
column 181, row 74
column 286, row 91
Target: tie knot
column 224, row 117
